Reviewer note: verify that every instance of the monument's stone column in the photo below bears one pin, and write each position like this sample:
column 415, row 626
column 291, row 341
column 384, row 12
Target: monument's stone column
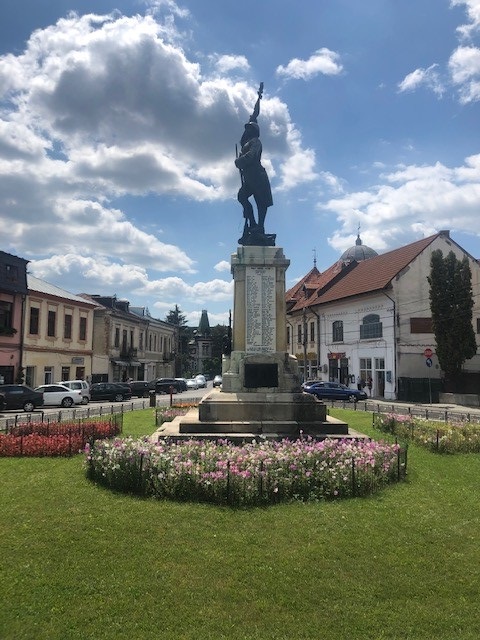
column 259, row 358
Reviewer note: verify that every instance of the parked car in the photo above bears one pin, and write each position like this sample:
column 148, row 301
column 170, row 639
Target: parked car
column 201, row 381
column 308, row 383
column 181, row 384
column 2, row 402
column 19, row 396
column 80, row 385
column 141, row 388
column 335, row 391
column 217, row 381
column 112, row 391
column 163, row 385
column 59, row 395
column 192, row 384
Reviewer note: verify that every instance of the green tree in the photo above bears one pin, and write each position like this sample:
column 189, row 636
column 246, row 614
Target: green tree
column 178, row 319
column 451, row 304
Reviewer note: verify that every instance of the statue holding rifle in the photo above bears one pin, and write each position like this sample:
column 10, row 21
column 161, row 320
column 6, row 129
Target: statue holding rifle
column 255, row 182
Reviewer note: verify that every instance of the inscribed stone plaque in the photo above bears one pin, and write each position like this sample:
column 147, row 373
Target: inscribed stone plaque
column 260, row 310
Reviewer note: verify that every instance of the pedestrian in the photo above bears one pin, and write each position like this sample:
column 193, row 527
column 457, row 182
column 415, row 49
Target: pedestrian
column 369, row 385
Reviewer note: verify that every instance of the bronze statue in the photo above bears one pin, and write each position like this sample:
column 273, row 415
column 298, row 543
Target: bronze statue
column 255, row 182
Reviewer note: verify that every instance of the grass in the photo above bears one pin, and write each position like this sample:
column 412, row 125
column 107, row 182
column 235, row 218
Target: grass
column 80, row 562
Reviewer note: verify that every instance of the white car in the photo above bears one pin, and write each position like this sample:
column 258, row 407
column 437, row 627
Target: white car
column 81, row 385
column 201, row 381
column 192, row 383
column 58, row 395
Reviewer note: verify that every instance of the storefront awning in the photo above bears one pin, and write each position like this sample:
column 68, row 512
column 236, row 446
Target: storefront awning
column 120, row 363
column 134, row 363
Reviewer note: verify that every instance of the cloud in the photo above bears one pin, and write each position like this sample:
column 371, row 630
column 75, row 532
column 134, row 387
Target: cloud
column 226, row 63
column 466, row 31
column 429, row 78
column 464, row 66
column 97, row 108
column 323, row 61
column 410, row 199
column 222, row 266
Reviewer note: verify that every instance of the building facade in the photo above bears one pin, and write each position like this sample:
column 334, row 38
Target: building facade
column 13, row 293
column 57, row 335
column 128, row 344
column 369, row 322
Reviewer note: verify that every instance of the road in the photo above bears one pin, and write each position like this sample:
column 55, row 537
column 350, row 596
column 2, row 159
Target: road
column 96, row 408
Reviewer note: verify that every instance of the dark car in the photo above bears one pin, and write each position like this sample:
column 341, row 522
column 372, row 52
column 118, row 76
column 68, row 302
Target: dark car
column 141, row 388
column 19, row 396
column 112, row 391
column 335, row 391
column 163, row 385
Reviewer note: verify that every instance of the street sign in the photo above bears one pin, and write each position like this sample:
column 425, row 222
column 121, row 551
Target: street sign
column 428, row 353
column 428, row 362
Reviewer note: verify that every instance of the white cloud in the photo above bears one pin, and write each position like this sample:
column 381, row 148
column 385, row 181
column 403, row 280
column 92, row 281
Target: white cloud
column 222, row 266
column 100, row 107
column 464, row 66
column 429, row 78
column 412, row 198
column 227, row 63
column 323, row 61
column 473, row 14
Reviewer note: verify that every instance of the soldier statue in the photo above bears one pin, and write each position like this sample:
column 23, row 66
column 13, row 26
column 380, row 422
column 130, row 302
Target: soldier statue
column 255, row 182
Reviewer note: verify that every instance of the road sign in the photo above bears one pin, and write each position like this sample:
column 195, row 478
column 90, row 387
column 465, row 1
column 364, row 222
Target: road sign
column 428, row 353
column 428, row 362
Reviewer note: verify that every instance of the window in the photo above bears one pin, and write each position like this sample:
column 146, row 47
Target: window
column 34, row 321
column 47, row 375
column 312, row 331
column 52, row 320
column 117, row 337
column 371, row 327
column 11, row 273
column 421, row 325
column 288, row 335
column 140, row 341
column 5, row 314
column 82, row 334
column 65, row 373
column 131, row 339
column 299, row 334
column 365, row 369
column 67, row 329
column 337, row 331
column 478, row 325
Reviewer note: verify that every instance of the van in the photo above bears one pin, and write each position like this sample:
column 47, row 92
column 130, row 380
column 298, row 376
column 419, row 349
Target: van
column 79, row 385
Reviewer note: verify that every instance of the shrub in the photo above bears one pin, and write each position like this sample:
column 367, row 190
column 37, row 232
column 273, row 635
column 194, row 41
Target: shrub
column 461, row 437
column 254, row 473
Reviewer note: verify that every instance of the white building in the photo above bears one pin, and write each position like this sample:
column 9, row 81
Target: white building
column 368, row 317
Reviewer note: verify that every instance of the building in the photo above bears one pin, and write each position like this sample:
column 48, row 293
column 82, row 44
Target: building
column 128, row 343
column 57, row 334
column 13, row 292
column 200, row 347
column 368, row 318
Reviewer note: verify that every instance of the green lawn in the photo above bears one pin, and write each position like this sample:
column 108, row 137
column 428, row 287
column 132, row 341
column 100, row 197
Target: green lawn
column 78, row 561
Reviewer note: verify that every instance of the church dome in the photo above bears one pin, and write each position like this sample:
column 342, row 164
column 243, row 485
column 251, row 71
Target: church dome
column 358, row 252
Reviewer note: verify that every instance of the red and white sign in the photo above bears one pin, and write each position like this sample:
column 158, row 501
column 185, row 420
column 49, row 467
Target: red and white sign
column 428, row 353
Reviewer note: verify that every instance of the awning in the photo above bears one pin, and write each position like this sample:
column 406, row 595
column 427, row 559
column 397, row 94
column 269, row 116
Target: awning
column 134, row 363
column 121, row 363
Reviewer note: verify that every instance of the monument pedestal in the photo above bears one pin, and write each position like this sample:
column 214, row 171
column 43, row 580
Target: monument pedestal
column 261, row 391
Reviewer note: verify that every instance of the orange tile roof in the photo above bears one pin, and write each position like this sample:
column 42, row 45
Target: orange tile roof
column 361, row 277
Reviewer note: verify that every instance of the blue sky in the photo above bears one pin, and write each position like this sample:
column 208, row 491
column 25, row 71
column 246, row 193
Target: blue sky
column 118, row 125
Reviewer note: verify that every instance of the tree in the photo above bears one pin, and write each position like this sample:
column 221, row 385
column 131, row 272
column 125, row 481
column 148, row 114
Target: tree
column 178, row 319
column 451, row 304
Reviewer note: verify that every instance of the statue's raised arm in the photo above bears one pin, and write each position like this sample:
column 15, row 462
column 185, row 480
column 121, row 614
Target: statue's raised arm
column 255, row 181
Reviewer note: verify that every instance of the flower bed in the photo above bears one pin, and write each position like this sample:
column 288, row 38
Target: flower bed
column 448, row 437
column 167, row 414
column 55, row 438
column 251, row 474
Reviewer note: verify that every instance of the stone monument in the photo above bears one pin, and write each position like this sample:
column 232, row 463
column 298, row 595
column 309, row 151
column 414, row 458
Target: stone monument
column 261, row 393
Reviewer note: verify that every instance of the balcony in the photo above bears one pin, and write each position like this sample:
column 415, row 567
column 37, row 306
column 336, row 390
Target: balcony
column 128, row 353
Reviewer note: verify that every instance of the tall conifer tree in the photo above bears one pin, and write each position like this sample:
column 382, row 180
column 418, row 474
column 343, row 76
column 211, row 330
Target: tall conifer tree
column 451, row 304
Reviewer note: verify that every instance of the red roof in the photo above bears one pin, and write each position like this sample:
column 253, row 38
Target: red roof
column 362, row 277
